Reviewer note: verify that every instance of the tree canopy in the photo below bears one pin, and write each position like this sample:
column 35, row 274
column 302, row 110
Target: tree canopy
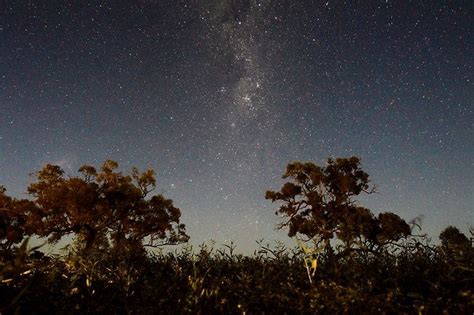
column 452, row 237
column 319, row 203
column 99, row 205
column 14, row 221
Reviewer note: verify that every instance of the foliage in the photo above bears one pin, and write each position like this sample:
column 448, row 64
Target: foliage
column 419, row 278
column 13, row 221
column 452, row 237
column 104, row 205
column 376, row 265
column 319, row 204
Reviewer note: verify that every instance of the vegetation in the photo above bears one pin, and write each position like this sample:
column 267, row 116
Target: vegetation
column 347, row 261
column 99, row 207
column 318, row 204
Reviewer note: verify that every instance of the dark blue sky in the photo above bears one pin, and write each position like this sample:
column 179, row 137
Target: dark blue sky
column 218, row 96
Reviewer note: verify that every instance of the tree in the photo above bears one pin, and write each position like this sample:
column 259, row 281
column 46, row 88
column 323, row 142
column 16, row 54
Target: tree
column 318, row 203
column 451, row 236
column 105, row 204
column 454, row 240
column 14, row 220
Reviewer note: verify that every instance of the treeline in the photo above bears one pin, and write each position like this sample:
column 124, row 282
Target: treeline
column 347, row 260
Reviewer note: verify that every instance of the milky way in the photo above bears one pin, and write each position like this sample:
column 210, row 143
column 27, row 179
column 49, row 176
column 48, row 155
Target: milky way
column 218, row 96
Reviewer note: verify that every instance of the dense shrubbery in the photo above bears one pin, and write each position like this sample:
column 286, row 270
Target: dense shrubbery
column 419, row 277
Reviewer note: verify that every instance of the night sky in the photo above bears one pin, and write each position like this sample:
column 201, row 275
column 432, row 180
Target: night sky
column 219, row 96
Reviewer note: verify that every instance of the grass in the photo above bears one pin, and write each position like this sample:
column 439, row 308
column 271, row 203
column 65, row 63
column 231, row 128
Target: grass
column 418, row 278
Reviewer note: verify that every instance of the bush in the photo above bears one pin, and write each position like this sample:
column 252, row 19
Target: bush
column 418, row 278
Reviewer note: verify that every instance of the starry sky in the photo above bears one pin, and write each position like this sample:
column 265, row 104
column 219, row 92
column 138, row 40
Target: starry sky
column 219, row 96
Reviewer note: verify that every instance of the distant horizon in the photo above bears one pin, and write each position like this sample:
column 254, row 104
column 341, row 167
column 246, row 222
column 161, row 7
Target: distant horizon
column 280, row 235
column 249, row 248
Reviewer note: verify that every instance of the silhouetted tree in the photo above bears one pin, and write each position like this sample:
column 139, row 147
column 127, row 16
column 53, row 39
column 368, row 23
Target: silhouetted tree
column 14, row 220
column 455, row 244
column 105, row 204
column 319, row 204
column 452, row 237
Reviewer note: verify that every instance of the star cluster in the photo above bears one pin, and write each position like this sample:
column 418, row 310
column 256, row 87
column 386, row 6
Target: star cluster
column 218, row 96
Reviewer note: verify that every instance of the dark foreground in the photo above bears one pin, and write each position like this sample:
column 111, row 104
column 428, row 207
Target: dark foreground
column 415, row 278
